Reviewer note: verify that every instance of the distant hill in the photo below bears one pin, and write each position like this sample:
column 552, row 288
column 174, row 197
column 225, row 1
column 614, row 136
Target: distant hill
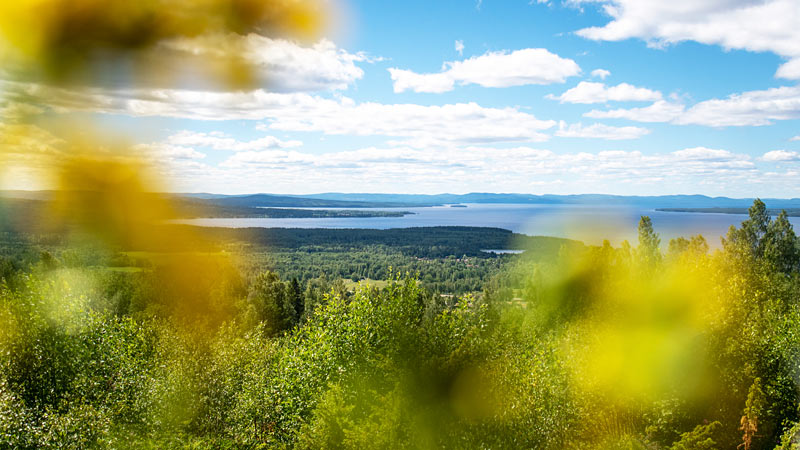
column 662, row 201
column 243, row 201
column 772, row 211
column 361, row 200
column 257, row 200
column 27, row 211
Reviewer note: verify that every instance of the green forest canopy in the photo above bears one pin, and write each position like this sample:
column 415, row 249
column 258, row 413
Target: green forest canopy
column 589, row 347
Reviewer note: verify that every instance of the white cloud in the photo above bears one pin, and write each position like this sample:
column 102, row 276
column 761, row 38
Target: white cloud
column 795, row 138
column 221, row 141
column 164, row 151
column 600, row 73
column 591, row 92
column 454, row 123
column 748, row 108
column 751, row 108
column 14, row 111
column 275, row 158
column 29, row 153
column 450, row 123
column 704, row 154
column 460, row 168
column 283, row 65
column 517, row 161
column 789, row 69
column 26, row 143
column 754, row 25
column 430, row 83
column 492, row 69
column 460, row 47
column 470, row 168
column 599, row 131
column 660, row 111
column 781, row 155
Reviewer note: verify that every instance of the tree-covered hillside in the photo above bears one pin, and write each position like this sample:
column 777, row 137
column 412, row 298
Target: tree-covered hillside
column 643, row 346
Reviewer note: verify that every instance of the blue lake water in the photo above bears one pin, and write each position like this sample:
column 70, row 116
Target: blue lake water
column 589, row 223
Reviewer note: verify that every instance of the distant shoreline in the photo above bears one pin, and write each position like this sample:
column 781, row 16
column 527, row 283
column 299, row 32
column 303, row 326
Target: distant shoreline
column 772, row 211
column 214, row 212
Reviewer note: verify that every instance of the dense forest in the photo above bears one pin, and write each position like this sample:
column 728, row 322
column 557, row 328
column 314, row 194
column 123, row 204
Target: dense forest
column 565, row 346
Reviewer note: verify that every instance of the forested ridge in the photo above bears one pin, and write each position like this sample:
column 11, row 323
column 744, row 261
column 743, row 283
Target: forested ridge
column 790, row 212
column 647, row 346
column 28, row 211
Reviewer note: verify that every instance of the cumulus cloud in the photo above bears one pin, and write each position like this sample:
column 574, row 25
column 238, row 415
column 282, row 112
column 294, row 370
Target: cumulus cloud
column 454, row 123
column 748, row 108
column 789, row 69
column 492, row 69
column 222, row 141
column 271, row 158
column 751, row 108
column 464, row 123
column 600, row 73
column 178, row 103
column 660, row 111
column 795, row 138
column 164, row 151
column 512, row 161
column 283, row 65
column 780, row 156
column 472, row 167
column 517, row 169
column 599, row 131
column 591, row 92
column 754, row 25
column 704, row 154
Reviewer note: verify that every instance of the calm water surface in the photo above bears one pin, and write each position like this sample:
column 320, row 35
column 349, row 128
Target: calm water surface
column 589, row 223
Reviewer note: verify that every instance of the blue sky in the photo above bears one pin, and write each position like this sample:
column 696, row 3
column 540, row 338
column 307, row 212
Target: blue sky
column 634, row 97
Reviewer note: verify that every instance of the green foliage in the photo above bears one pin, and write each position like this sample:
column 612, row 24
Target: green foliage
column 772, row 242
column 781, row 248
column 791, row 438
column 273, row 304
column 701, row 438
column 648, row 252
column 754, row 407
column 565, row 347
column 694, row 246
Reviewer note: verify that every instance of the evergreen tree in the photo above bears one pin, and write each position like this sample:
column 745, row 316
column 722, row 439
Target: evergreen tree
column 274, row 308
column 749, row 239
column 756, row 227
column 648, row 251
column 781, row 245
column 297, row 299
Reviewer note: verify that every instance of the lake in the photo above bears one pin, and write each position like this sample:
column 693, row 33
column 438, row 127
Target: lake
column 589, row 223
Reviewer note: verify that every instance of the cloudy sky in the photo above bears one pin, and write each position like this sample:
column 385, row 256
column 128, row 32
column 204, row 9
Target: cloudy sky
column 574, row 96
